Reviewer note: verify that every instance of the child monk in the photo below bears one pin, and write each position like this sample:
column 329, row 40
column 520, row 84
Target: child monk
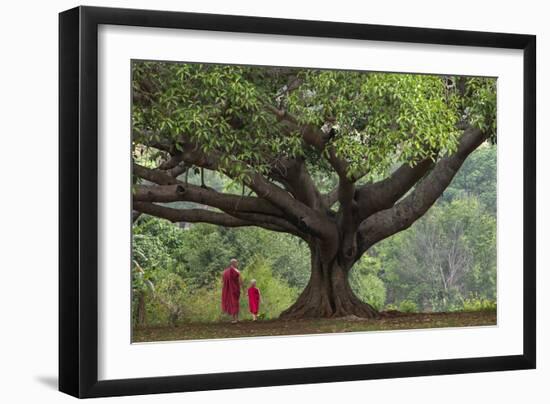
column 254, row 299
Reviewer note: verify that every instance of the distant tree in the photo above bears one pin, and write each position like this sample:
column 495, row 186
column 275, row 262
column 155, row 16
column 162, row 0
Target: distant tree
column 155, row 256
column 444, row 258
column 274, row 131
column 477, row 177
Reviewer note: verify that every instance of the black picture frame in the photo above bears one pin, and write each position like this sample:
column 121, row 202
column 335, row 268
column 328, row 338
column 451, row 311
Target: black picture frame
column 78, row 201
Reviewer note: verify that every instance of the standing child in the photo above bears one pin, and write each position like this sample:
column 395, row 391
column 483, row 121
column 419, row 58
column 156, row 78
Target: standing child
column 254, row 299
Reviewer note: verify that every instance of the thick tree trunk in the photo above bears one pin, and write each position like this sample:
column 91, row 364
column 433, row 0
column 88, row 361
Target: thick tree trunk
column 140, row 312
column 328, row 292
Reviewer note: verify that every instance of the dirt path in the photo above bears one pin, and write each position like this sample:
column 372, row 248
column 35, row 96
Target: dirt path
column 247, row 328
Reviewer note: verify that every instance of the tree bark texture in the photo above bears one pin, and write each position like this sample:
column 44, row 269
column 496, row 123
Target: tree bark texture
column 328, row 292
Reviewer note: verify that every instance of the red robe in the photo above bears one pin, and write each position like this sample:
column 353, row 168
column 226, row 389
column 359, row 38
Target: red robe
column 254, row 300
column 231, row 291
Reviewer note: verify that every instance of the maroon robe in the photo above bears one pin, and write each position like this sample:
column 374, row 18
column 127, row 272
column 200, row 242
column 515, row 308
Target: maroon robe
column 231, row 291
column 254, row 300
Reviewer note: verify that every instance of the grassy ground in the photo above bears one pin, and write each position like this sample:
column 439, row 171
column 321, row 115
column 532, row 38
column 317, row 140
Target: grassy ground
column 247, row 328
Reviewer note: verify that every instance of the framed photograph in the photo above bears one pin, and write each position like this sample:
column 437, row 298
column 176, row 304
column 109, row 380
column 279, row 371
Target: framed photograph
column 251, row 201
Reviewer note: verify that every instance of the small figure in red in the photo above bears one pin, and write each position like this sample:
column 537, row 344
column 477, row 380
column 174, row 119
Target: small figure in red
column 254, row 299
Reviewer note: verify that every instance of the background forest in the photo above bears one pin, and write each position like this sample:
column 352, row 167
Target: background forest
column 446, row 261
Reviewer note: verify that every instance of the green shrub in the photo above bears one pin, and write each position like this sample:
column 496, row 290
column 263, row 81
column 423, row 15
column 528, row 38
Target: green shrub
column 479, row 304
column 408, row 306
column 369, row 288
column 204, row 304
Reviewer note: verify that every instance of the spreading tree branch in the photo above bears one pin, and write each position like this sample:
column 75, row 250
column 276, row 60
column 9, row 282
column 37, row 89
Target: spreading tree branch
column 403, row 214
column 302, row 216
column 319, row 140
column 372, row 198
column 206, row 196
column 294, row 176
column 200, row 216
column 170, row 189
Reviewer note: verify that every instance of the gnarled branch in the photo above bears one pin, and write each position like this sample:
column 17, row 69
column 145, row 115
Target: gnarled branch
column 402, row 215
column 189, row 215
column 205, row 196
column 200, row 216
column 384, row 194
column 301, row 214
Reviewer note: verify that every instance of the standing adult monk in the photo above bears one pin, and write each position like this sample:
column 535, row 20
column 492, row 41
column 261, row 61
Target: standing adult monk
column 231, row 290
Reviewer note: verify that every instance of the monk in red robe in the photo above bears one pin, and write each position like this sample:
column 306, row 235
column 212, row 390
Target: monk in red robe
column 254, row 299
column 231, row 290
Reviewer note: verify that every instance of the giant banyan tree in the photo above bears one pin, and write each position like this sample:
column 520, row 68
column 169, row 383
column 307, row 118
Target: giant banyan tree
column 388, row 143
